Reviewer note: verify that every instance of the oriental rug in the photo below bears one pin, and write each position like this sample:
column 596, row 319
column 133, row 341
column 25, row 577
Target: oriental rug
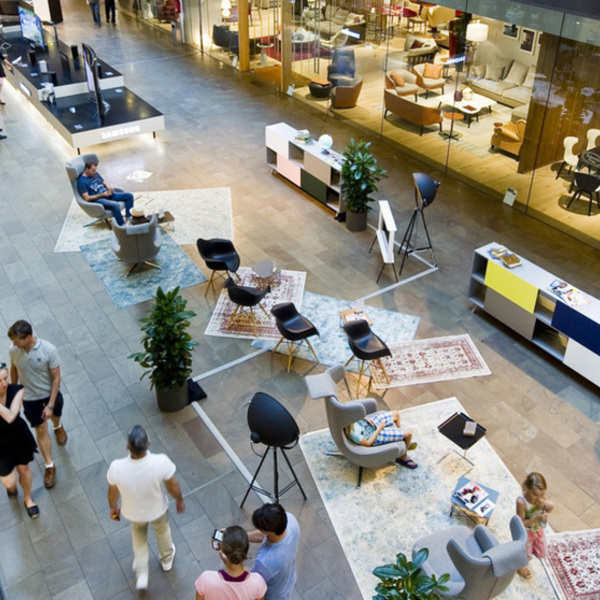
column 395, row 507
column 573, row 564
column 204, row 213
column 289, row 288
column 331, row 345
column 427, row 361
column 125, row 290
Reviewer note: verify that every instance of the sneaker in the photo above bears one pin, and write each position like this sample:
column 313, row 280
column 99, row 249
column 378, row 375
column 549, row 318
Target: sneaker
column 141, row 582
column 49, row 477
column 168, row 565
column 61, row 435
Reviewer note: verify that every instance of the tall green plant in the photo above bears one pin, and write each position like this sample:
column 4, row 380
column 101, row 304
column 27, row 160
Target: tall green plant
column 404, row 580
column 360, row 175
column 167, row 345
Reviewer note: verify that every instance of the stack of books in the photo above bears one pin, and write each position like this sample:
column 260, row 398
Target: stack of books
column 508, row 258
column 475, row 499
column 303, row 136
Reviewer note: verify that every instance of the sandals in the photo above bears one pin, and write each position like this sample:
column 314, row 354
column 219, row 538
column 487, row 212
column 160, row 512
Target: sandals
column 409, row 463
column 525, row 572
column 33, row 511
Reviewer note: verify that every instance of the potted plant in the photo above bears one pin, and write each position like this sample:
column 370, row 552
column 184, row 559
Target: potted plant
column 404, row 580
column 167, row 349
column 360, row 175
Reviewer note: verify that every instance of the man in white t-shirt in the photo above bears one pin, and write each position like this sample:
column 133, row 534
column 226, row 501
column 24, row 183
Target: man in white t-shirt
column 138, row 480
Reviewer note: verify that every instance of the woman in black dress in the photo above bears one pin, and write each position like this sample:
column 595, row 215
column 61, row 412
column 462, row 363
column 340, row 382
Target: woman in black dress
column 16, row 443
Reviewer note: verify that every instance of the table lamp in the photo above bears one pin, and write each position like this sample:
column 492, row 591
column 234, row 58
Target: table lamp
column 476, row 33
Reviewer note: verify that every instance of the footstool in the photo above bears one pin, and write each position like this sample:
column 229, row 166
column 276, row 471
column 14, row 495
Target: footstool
column 320, row 88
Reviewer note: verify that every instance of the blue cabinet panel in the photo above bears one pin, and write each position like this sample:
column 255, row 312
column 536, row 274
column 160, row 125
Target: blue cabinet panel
column 577, row 326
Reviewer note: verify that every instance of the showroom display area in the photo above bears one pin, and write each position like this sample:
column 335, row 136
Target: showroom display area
column 53, row 78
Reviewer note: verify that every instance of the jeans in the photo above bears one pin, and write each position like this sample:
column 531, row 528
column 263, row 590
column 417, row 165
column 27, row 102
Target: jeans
column 109, row 6
column 114, row 203
column 139, row 538
column 95, row 6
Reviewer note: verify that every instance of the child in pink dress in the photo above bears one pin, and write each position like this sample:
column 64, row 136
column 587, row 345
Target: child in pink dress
column 533, row 508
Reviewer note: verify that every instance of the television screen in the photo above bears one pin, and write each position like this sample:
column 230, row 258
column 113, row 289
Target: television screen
column 92, row 76
column 31, row 27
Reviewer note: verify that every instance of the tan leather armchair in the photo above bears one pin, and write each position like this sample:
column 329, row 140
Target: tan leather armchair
column 409, row 87
column 428, row 83
column 419, row 114
column 509, row 137
column 346, row 96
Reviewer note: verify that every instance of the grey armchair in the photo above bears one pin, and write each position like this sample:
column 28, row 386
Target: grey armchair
column 75, row 168
column 480, row 568
column 341, row 415
column 137, row 244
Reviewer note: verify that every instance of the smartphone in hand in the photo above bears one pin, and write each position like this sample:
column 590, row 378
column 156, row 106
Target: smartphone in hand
column 217, row 538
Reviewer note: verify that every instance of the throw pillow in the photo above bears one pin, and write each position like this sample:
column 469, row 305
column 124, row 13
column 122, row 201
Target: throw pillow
column 397, row 79
column 340, row 16
column 495, row 71
column 432, row 71
column 478, row 71
column 530, row 79
column 517, row 73
column 416, row 44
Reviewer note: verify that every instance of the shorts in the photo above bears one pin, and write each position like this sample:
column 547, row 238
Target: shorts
column 390, row 433
column 33, row 409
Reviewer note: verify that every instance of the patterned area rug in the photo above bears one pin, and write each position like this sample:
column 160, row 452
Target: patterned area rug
column 574, row 564
column 198, row 214
column 331, row 345
column 427, row 361
column 395, row 507
column 289, row 289
column 177, row 270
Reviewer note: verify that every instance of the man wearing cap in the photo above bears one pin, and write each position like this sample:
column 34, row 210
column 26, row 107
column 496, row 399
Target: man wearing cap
column 138, row 481
column 93, row 188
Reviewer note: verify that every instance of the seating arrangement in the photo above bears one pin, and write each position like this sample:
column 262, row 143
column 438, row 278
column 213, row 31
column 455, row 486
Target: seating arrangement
column 592, row 138
column 293, row 328
column 509, row 137
column 245, row 297
column 419, row 49
column 403, row 82
column 342, row 69
column 137, row 244
column 346, row 96
column 340, row 415
column 586, row 184
column 429, row 77
column 480, row 568
column 410, row 111
column 570, row 158
column 219, row 255
column 226, row 39
column 366, row 346
column 75, row 168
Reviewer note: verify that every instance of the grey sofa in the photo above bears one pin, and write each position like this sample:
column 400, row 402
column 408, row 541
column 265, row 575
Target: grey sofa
column 479, row 566
column 341, row 415
column 137, row 244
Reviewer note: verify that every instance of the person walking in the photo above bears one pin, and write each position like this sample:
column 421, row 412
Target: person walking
column 95, row 8
column 278, row 533
column 138, row 481
column 35, row 364
column 16, row 443
column 109, row 7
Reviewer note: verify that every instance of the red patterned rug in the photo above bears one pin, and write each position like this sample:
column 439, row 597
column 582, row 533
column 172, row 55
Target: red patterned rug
column 288, row 288
column 574, row 564
column 427, row 361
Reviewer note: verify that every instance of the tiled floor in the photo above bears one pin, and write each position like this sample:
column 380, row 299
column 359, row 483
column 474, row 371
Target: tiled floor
column 539, row 415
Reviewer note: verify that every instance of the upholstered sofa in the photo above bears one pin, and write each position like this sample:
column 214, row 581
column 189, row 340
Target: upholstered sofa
column 419, row 49
column 503, row 80
column 335, row 18
column 410, row 111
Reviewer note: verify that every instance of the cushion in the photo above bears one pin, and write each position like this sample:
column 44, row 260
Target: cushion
column 496, row 87
column 416, row 44
column 432, row 71
column 411, row 39
column 530, row 78
column 478, row 71
column 340, row 16
column 330, row 12
column 518, row 72
column 397, row 79
column 496, row 70
column 520, row 94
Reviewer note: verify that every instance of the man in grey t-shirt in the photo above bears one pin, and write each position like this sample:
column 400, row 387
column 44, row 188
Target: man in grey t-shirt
column 276, row 558
column 34, row 363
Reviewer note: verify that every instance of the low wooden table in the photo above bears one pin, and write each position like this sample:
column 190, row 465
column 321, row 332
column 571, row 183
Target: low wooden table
column 352, row 314
column 469, row 108
column 457, row 504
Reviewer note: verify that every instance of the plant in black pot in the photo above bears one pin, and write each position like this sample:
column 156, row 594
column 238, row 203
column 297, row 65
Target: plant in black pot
column 404, row 579
column 360, row 175
column 167, row 349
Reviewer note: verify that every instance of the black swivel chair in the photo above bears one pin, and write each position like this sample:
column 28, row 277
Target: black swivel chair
column 586, row 184
column 293, row 328
column 271, row 424
column 366, row 346
column 245, row 297
column 219, row 255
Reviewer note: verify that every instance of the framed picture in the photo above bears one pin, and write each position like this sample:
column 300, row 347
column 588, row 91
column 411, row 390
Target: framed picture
column 511, row 30
column 527, row 40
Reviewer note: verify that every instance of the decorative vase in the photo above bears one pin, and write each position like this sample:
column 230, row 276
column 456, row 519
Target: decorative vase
column 458, row 96
column 172, row 400
column 356, row 221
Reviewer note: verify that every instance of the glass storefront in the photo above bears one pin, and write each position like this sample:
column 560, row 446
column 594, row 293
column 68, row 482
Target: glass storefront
column 500, row 94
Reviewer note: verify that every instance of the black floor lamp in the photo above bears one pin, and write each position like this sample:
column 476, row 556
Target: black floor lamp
column 425, row 190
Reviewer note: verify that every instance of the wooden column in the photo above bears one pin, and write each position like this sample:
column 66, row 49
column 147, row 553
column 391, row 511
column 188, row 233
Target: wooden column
column 287, row 27
column 244, row 37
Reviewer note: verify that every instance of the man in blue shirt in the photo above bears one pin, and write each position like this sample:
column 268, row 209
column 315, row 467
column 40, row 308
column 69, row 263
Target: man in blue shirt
column 276, row 558
column 93, row 188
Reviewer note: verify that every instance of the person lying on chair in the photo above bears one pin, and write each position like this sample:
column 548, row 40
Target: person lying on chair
column 93, row 188
column 382, row 428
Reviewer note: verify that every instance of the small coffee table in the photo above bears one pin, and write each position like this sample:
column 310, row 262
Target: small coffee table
column 469, row 108
column 266, row 274
column 352, row 314
column 453, row 428
column 457, row 504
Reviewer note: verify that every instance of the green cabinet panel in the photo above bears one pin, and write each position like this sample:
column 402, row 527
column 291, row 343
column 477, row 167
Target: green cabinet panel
column 313, row 186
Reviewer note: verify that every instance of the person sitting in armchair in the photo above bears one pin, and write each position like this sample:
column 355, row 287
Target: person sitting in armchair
column 382, row 428
column 93, row 188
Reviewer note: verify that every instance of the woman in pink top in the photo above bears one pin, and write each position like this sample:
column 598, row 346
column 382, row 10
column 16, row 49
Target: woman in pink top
column 233, row 582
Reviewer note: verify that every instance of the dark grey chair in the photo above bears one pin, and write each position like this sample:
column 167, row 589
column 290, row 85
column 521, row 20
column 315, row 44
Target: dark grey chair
column 479, row 566
column 244, row 296
column 219, row 255
column 75, row 168
column 137, row 244
column 340, row 415
column 342, row 69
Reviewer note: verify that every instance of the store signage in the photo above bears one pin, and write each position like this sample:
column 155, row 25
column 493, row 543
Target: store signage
column 118, row 132
column 352, row 34
column 456, row 59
